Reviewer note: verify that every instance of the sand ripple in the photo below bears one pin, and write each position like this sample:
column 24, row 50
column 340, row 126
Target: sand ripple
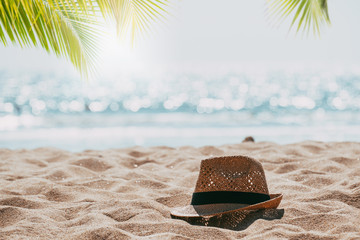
column 48, row 193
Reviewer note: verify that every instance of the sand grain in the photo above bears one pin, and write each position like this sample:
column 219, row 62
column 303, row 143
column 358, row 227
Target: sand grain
column 48, row 193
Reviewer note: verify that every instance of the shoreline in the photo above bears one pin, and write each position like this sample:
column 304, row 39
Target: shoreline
column 76, row 139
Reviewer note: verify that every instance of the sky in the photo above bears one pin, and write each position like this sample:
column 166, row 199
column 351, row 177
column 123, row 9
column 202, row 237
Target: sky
column 212, row 33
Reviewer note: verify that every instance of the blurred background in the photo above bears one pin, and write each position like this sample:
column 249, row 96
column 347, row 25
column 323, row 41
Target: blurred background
column 211, row 74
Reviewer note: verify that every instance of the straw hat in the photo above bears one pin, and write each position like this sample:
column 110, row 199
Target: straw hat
column 228, row 185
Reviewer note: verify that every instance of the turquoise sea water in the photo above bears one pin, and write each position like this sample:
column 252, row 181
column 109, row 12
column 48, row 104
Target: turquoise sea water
column 178, row 109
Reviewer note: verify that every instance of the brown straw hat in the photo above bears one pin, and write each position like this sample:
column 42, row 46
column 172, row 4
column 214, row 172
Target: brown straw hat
column 228, row 185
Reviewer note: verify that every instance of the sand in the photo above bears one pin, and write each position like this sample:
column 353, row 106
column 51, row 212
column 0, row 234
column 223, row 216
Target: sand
column 48, row 193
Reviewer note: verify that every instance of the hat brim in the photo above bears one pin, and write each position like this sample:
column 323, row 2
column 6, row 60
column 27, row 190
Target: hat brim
column 209, row 210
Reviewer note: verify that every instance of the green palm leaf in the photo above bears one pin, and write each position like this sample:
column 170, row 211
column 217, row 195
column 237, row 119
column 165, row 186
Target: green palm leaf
column 307, row 13
column 70, row 28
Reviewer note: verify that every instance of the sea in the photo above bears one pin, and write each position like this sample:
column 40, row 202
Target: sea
column 177, row 109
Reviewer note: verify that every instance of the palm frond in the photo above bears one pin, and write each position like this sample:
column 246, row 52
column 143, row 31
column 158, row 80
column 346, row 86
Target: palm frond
column 70, row 28
column 135, row 16
column 307, row 13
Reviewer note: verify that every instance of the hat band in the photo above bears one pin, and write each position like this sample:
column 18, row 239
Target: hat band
column 200, row 198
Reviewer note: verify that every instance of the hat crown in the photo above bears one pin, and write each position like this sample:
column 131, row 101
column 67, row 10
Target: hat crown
column 231, row 173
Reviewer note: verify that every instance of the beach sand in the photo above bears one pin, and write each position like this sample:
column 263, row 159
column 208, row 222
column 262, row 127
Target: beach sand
column 48, row 193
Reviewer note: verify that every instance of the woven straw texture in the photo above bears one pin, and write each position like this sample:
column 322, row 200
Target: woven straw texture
column 230, row 173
